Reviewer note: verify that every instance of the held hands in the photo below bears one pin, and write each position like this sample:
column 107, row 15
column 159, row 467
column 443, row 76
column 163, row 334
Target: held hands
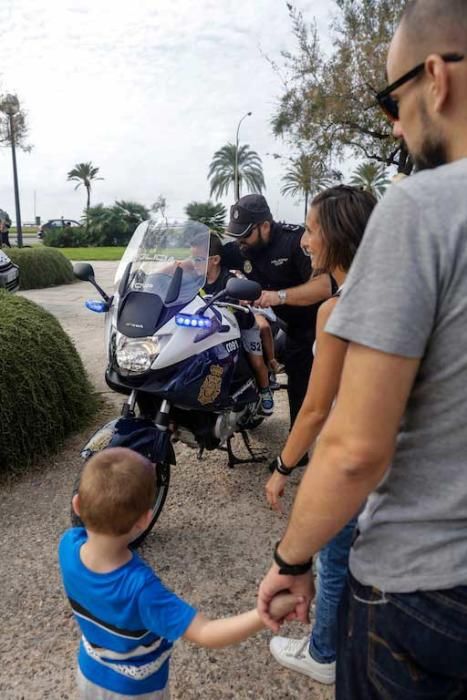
column 283, row 604
column 302, row 587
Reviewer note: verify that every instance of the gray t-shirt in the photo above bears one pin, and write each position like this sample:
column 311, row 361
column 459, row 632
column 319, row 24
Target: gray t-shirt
column 406, row 294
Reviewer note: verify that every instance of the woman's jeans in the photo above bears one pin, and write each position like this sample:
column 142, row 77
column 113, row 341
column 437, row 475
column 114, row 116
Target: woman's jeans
column 401, row 646
column 333, row 564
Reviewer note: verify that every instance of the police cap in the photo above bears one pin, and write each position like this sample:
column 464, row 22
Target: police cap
column 249, row 210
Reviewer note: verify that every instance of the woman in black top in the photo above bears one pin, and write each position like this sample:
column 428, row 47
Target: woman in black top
column 334, row 229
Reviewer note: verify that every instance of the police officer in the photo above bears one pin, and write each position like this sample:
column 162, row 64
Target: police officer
column 270, row 253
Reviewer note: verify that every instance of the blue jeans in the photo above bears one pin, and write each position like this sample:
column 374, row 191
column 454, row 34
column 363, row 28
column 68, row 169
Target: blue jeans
column 401, row 646
column 333, row 563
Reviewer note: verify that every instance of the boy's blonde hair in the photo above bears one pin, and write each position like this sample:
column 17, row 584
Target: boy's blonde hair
column 117, row 487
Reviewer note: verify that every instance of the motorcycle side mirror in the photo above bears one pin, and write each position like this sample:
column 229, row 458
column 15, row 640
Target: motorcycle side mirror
column 85, row 273
column 246, row 290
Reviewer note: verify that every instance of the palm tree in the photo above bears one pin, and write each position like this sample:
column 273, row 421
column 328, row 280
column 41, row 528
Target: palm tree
column 212, row 215
column 222, row 170
column 371, row 177
column 83, row 174
column 133, row 213
column 305, row 176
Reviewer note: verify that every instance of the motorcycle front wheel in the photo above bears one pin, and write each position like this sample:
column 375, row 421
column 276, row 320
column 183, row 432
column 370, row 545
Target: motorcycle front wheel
column 162, row 478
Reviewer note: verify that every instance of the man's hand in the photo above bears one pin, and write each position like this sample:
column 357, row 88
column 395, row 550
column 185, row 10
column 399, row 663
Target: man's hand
column 274, row 583
column 268, row 299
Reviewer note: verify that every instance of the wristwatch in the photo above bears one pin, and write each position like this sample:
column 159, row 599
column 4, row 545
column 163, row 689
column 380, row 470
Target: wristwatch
column 281, row 468
column 282, row 294
column 291, row 569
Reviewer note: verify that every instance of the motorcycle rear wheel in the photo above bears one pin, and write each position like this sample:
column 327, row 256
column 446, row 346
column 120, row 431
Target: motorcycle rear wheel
column 162, row 478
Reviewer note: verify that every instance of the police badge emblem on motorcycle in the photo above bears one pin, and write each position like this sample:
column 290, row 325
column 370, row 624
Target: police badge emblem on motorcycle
column 211, row 387
column 247, row 267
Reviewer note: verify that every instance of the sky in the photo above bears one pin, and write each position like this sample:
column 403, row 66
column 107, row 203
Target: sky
column 147, row 90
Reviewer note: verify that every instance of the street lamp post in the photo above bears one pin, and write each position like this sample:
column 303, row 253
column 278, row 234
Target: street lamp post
column 10, row 105
column 236, row 178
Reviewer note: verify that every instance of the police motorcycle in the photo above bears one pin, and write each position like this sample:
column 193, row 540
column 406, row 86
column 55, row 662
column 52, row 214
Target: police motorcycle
column 175, row 354
column 9, row 273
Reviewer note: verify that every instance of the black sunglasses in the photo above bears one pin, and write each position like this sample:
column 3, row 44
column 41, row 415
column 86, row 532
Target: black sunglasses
column 250, row 233
column 388, row 104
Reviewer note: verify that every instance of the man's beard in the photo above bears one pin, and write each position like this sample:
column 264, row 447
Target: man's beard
column 252, row 251
column 433, row 151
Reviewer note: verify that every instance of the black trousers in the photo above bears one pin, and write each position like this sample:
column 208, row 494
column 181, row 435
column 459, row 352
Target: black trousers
column 298, row 361
column 5, row 239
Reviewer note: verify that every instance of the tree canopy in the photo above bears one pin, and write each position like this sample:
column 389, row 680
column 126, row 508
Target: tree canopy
column 84, row 174
column 305, row 176
column 371, row 177
column 328, row 101
column 222, row 170
column 213, row 215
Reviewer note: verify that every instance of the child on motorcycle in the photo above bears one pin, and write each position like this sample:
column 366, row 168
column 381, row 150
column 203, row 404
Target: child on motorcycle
column 128, row 619
column 217, row 277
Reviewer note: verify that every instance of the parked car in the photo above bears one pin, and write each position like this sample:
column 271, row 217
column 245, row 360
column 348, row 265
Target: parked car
column 56, row 223
column 9, row 273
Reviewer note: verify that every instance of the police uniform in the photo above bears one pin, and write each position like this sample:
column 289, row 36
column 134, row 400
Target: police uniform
column 280, row 264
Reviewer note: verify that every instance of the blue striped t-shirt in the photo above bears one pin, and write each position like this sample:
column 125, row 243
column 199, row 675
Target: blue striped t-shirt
column 128, row 620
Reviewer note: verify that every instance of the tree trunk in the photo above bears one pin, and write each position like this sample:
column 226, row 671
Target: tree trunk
column 88, row 201
column 306, row 203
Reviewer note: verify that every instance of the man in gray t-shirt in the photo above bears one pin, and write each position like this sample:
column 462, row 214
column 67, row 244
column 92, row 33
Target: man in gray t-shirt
column 407, row 295
column 396, row 441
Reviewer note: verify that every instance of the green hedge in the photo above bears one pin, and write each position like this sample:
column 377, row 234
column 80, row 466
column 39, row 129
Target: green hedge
column 41, row 267
column 66, row 237
column 44, row 392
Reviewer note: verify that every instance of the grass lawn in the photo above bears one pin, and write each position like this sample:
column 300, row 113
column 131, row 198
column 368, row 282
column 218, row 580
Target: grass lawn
column 98, row 253
column 114, row 253
column 28, row 231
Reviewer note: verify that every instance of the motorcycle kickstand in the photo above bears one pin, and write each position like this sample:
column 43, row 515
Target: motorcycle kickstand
column 255, row 458
column 234, row 460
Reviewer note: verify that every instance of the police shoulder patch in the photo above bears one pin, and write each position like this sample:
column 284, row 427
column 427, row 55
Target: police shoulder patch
column 247, row 267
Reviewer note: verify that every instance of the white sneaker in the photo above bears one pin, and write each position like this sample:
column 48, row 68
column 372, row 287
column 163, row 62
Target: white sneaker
column 294, row 655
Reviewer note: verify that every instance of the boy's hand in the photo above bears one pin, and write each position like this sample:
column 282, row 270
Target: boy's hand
column 283, row 604
column 273, row 584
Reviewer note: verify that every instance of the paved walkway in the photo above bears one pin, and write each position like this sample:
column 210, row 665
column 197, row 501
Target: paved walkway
column 85, row 327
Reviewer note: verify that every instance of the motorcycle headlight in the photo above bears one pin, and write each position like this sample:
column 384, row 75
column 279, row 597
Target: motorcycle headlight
column 136, row 355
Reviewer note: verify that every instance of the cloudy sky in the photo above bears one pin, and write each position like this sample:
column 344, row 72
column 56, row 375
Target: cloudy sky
column 147, row 90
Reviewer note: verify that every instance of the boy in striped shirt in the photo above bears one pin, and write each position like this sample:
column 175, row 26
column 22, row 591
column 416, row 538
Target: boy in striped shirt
column 128, row 619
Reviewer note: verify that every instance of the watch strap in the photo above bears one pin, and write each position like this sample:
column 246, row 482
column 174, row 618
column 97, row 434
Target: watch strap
column 286, row 569
column 282, row 294
column 281, row 468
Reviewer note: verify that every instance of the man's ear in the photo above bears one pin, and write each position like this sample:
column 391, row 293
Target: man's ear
column 75, row 504
column 438, row 74
column 216, row 259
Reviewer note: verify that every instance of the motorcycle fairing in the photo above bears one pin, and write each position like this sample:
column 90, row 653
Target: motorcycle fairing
column 137, row 434
column 140, row 315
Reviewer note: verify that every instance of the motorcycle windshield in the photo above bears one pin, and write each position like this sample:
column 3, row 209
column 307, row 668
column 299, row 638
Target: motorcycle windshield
column 169, row 261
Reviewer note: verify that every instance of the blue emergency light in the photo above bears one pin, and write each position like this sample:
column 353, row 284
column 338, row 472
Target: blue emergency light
column 100, row 307
column 193, row 321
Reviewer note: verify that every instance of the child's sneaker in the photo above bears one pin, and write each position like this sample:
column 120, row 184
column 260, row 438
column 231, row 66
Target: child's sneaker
column 273, row 383
column 267, row 402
